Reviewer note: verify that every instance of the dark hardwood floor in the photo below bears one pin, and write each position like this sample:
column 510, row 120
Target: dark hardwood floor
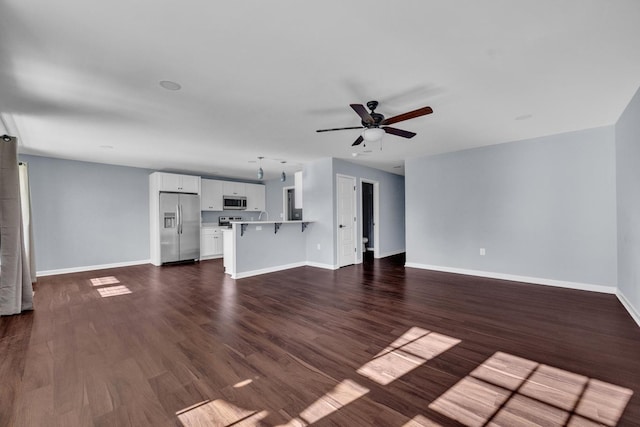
column 373, row 345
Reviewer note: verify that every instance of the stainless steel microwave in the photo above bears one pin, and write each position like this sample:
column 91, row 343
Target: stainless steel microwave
column 234, row 202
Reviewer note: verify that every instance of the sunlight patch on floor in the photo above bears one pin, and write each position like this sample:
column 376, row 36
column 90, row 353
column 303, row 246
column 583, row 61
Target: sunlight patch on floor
column 420, row 421
column 113, row 291
column 243, row 383
column 342, row 394
column 101, row 281
column 509, row 390
column 406, row 353
column 505, row 390
column 220, row 413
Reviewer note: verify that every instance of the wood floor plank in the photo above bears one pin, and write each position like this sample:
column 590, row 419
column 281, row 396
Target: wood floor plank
column 370, row 344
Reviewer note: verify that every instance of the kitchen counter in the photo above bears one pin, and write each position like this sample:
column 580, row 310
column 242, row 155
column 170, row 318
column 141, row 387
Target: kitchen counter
column 258, row 224
column 269, row 222
column 258, row 247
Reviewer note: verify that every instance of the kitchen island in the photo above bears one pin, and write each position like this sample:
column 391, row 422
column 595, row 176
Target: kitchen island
column 258, row 247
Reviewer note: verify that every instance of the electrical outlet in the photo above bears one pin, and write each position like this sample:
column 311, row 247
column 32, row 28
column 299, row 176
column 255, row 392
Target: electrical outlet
column 281, row 215
column 258, row 227
column 483, row 252
column 318, row 246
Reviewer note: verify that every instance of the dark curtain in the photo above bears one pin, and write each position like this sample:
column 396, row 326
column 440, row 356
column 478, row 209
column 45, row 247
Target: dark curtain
column 16, row 291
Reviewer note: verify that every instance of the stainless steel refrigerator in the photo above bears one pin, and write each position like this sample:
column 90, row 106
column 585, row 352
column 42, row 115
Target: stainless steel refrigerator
column 179, row 227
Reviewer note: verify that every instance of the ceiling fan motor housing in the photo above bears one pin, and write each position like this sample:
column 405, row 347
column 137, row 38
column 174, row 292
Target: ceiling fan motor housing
column 377, row 117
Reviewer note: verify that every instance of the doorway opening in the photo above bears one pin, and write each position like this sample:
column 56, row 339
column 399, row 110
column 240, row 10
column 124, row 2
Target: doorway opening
column 369, row 203
column 291, row 213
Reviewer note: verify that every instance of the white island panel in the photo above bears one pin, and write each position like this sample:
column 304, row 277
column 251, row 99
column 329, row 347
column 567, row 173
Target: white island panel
column 259, row 249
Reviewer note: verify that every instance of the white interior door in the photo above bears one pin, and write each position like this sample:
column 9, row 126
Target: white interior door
column 346, row 194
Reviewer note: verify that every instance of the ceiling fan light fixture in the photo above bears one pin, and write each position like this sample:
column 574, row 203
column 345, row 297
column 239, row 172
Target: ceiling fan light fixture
column 373, row 134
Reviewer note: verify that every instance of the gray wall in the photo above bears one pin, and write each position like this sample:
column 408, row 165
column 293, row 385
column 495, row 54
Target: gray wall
column 274, row 197
column 628, row 198
column 543, row 208
column 317, row 206
column 392, row 218
column 87, row 214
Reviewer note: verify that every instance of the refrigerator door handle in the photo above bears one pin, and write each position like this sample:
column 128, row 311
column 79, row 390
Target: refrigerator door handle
column 180, row 218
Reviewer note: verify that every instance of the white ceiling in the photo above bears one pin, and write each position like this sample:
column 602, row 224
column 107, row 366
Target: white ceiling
column 259, row 77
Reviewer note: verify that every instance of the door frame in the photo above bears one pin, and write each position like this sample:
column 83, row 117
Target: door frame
column 354, row 199
column 376, row 215
column 284, row 201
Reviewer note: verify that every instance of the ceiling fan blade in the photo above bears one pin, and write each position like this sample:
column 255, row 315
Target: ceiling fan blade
column 358, row 141
column 329, row 130
column 363, row 113
column 399, row 132
column 406, row 116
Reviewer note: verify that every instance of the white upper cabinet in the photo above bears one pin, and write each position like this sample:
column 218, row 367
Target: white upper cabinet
column 190, row 184
column 230, row 188
column 179, row 183
column 211, row 197
column 255, row 197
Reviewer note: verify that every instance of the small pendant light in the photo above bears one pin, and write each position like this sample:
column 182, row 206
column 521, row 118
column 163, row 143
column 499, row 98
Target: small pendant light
column 283, row 176
column 260, row 171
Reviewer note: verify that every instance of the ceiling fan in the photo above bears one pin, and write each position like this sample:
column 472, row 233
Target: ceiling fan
column 375, row 125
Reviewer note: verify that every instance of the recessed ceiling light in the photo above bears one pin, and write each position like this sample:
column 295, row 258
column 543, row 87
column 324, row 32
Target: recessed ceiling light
column 169, row 85
column 397, row 167
column 106, row 147
column 524, row 117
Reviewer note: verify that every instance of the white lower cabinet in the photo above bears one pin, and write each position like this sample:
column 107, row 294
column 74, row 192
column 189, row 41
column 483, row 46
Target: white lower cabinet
column 210, row 242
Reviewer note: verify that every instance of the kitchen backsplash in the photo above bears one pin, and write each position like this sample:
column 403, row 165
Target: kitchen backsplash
column 212, row 216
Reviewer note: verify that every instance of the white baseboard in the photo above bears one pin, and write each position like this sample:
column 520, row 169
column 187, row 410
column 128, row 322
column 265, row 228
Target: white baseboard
column 204, row 258
column 515, row 278
column 386, row 254
column 90, row 267
column 630, row 308
column 267, row 270
column 321, row 265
